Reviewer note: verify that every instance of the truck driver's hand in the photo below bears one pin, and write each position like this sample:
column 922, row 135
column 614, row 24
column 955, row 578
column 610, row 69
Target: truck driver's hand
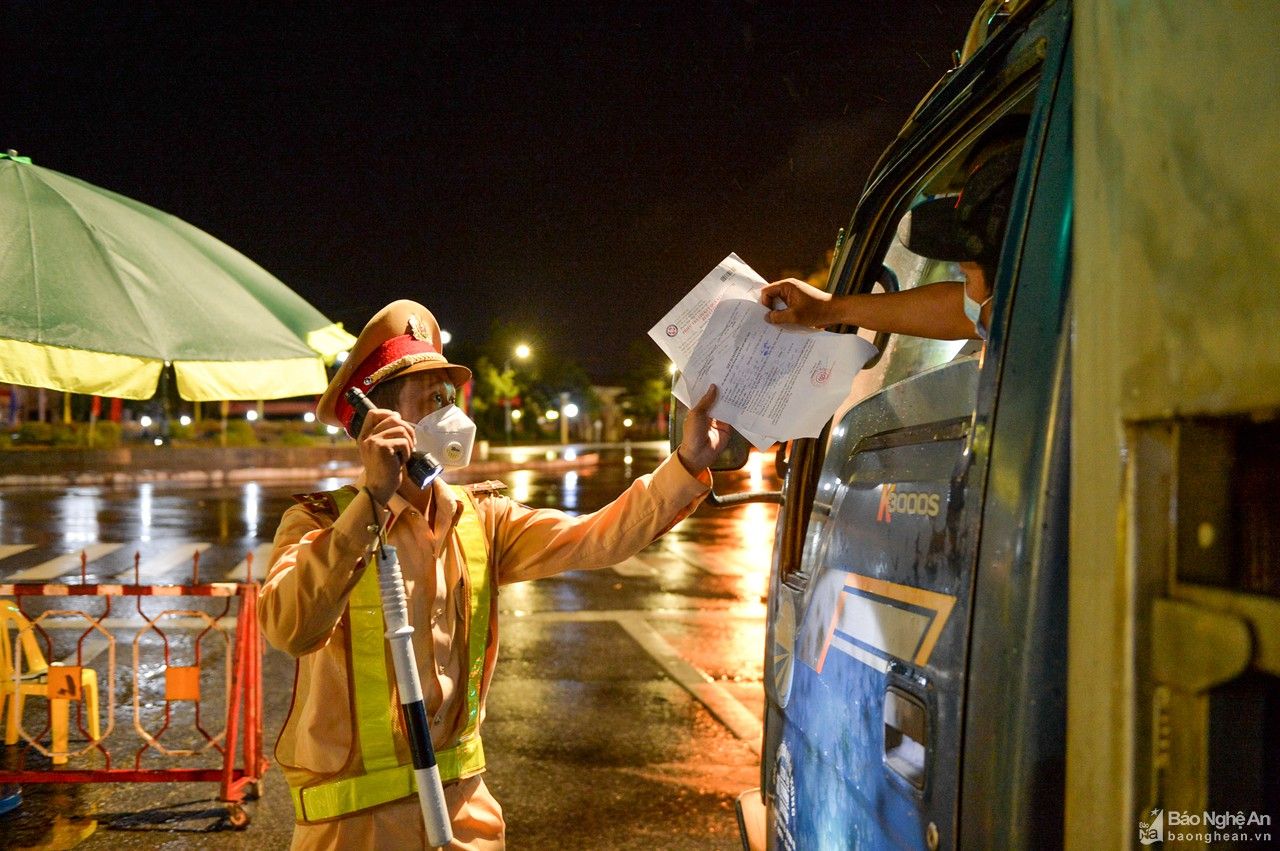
column 385, row 444
column 703, row 438
column 802, row 304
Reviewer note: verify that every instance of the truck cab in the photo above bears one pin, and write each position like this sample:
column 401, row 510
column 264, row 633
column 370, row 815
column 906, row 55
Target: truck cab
column 917, row 650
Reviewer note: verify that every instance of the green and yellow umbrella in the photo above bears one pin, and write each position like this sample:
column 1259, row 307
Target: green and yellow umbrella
column 99, row 292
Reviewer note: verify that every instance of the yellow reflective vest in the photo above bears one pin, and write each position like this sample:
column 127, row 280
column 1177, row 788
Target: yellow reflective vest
column 384, row 778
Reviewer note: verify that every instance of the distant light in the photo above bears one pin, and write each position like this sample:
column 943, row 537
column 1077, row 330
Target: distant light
column 671, row 368
column 251, row 415
column 628, row 422
column 626, row 459
column 308, row 417
column 570, row 455
column 445, row 337
column 159, row 441
column 516, row 415
column 144, row 421
column 570, row 410
column 185, row 420
column 553, row 414
column 341, row 357
column 331, row 429
column 522, row 351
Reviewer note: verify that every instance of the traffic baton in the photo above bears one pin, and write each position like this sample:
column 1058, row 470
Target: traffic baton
column 395, row 612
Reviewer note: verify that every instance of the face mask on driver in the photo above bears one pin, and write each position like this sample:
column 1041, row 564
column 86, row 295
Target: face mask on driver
column 448, row 434
column 973, row 310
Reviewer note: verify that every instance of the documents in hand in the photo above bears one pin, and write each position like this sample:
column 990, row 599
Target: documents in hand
column 777, row 382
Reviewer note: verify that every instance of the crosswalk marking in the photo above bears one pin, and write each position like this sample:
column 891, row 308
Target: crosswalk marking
column 260, row 564
column 151, row 566
column 7, row 550
column 68, row 563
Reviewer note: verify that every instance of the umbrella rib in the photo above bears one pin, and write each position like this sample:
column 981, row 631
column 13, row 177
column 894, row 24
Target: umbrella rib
column 102, row 249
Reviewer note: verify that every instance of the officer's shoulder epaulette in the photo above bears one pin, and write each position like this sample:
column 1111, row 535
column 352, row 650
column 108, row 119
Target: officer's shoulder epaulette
column 488, row 488
column 320, row 502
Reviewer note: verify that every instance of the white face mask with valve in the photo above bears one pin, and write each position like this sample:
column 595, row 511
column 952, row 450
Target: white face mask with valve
column 448, row 434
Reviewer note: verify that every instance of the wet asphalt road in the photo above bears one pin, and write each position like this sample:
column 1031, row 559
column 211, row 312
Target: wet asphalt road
column 602, row 731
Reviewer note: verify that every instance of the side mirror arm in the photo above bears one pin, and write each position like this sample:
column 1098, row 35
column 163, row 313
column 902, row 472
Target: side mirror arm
column 729, row 500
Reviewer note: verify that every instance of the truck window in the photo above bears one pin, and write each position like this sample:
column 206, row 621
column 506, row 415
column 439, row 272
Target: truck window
column 917, row 388
column 903, row 356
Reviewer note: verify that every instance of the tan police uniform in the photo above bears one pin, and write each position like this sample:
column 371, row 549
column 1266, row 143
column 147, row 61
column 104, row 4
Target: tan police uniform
column 320, row 555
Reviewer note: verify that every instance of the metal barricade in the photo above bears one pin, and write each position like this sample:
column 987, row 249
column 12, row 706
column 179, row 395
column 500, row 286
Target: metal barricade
column 66, row 684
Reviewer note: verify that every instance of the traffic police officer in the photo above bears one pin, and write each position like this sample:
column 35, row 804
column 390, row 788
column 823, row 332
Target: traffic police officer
column 343, row 748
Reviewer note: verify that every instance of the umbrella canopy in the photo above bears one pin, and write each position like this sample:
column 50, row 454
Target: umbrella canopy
column 99, row 292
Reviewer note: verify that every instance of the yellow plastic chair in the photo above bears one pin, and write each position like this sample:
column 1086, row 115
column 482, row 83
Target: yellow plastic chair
column 33, row 681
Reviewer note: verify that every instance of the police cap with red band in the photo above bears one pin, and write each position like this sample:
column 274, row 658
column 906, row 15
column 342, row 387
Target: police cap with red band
column 400, row 339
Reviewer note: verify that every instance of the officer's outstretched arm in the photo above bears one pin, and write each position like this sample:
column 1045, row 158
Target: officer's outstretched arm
column 536, row 542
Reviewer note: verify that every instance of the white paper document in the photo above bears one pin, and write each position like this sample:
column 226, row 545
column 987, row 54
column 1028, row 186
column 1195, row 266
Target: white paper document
column 777, row 382
column 678, row 332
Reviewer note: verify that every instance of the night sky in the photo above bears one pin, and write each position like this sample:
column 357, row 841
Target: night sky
column 570, row 168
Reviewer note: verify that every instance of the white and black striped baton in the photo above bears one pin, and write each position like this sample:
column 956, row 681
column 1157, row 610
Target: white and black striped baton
column 395, row 611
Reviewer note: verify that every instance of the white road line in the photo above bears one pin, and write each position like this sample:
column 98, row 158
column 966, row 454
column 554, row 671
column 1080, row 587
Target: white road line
column 151, row 566
column 635, row 567
column 7, row 550
column 68, row 563
column 716, row 564
column 94, row 646
column 718, row 701
column 260, row 565
column 701, row 560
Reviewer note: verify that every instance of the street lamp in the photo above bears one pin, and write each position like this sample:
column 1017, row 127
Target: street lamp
column 568, row 411
column 521, row 352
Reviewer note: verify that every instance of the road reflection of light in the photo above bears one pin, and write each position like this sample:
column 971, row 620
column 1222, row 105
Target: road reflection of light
column 252, row 507
column 755, row 469
column 520, row 482
column 571, row 490
column 144, row 509
column 753, row 531
column 80, row 516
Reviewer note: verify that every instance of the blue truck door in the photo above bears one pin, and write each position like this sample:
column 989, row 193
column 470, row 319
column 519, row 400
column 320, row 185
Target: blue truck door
column 869, row 637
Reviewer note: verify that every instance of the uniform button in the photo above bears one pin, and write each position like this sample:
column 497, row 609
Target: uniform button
column 438, row 720
column 437, row 615
column 440, row 668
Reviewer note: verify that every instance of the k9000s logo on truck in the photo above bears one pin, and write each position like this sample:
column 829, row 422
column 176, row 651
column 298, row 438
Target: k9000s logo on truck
column 921, row 503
